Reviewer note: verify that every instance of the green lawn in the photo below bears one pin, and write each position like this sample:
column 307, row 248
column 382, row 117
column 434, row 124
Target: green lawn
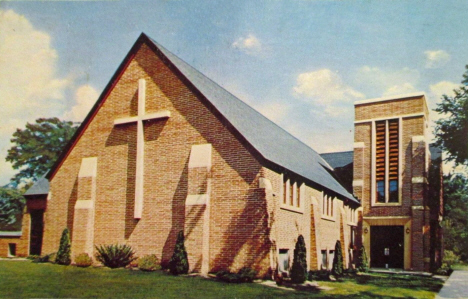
column 23, row 279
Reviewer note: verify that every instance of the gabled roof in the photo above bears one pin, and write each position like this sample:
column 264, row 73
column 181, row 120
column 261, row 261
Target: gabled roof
column 41, row 187
column 271, row 142
column 338, row 159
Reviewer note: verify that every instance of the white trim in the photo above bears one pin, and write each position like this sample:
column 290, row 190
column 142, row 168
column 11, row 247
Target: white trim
column 200, row 156
column 373, row 169
column 359, row 145
column 391, row 117
column 84, row 204
column 264, row 183
column 385, row 217
column 418, row 180
column 358, row 183
column 292, row 208
column 196, row 199
column 387, row 162
column 88, row 167
column 391, row 98
column 400, row 160
column 417, row 207
column 159, row 114
column 418, row 138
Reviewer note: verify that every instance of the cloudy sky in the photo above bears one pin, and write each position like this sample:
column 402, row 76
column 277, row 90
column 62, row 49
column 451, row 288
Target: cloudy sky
column 300, row 63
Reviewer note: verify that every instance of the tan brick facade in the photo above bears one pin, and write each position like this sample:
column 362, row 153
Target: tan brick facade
column 412, row 211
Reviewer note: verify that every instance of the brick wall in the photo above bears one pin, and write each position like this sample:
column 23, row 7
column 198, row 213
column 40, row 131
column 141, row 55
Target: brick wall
column 413, row 113
column 238, row 222
column 22, row 243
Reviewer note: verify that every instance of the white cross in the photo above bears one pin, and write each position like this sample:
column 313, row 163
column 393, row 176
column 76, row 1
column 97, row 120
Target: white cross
column 139, row 177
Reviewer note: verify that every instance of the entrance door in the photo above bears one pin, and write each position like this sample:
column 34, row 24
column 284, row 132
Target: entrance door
column 387, row 246
column 37, row 228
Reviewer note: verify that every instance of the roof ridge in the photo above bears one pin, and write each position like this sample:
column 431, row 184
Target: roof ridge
column 233, row 95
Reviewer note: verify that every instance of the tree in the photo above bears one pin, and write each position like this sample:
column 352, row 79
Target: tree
column 363, row 262
column 64, row 253
column 299, row 266
column 338, row 260
column 178, row 264
column 452, row 131
column 456, row 220
column 36, row 148
column 11, row 204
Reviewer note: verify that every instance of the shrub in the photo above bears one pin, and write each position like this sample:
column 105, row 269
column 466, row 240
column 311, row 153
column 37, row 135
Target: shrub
column 244, row 275
column 149, row 263
column 32, row 257
column 319, row 275
column 178, row 264
column 247, row 274
column 115, row 256
column 363, row 262
column 64, row 252
column 337, row 268
column 53, row 257
column 46, row 258
column 83, row 260
column 299, row 266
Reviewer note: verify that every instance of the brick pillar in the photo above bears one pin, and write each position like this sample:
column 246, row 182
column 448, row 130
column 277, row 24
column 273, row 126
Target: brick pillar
column 420, row 234
column 83, row 220
column 197, row 208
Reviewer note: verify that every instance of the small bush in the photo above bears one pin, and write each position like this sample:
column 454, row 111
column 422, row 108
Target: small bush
column 178, row 263
column 115, row 256
column 337, row 268
column 363, row 262
column 53, row 257
column 64, row 252
column 299, row 266
column 244, row 275
column 319, row 275
column 46, row 258
column 32, row 257
column 247, row 274
column 83, row 260
column 149, row 263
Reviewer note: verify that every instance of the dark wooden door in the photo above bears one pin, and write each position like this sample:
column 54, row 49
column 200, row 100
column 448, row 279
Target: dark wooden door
column 387, row 246
column 37, row 230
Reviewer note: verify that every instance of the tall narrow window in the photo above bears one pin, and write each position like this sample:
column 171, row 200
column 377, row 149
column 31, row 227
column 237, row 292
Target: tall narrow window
column 393, row 153
column 386, row 160
column 291, row 193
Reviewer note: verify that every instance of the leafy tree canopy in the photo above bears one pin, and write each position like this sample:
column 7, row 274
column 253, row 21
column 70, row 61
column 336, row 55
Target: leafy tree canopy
column 11, row 204
column 37, row 147
column 456, row 220
column 452, row 131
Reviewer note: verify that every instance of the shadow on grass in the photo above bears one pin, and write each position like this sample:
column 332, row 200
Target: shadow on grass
column 407, row 281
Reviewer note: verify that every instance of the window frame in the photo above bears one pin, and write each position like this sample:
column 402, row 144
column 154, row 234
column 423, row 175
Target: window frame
column 386, row 182
column 293, row 192
column 328, row 206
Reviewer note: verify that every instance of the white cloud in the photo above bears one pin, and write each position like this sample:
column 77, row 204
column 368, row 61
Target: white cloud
column 399, row 89
column 85, row 97
column 436, row 59
column 443, row 87
column 378, row 82
column 325, row 88
column 249, row 44
column 29, row 85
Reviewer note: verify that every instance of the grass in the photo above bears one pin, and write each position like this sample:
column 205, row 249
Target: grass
column 23, row 279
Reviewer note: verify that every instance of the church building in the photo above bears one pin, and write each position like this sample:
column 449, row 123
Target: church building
column 165, row 149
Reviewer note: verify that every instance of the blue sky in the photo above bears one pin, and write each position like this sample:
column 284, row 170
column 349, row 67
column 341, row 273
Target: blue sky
column 300, row 63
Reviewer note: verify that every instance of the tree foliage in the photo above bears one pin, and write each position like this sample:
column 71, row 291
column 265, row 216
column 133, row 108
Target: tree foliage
column 456, row 211
column 299, row 266
column 64, row 252
column 11, row 204
column 452, row 131
column 36, row 148
column 338, row 260
column 178, row 264
column 363, row 262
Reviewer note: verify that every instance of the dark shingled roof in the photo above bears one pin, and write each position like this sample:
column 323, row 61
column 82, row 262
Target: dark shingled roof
column 338, row 159
column 270, row 141
column 341, row 159
column 41, row 187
